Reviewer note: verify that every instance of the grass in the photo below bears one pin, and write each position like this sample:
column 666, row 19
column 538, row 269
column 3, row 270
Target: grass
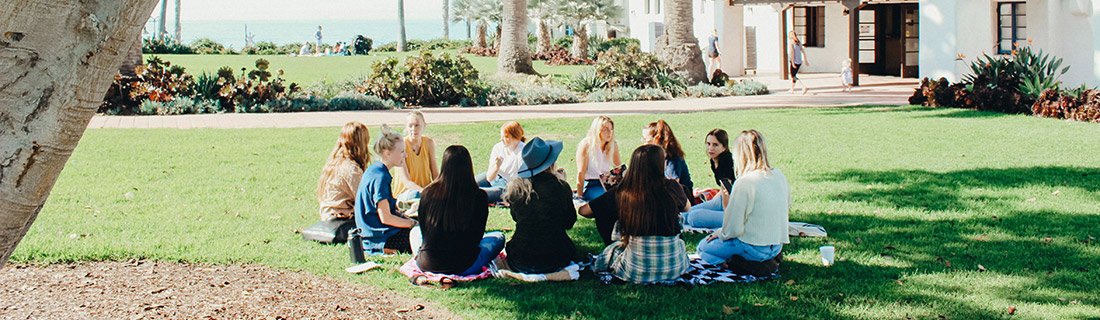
column 917, row 202
column 307, row 70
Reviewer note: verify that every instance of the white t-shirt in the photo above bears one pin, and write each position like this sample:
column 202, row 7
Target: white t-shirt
column 513, row 160
column 598, row 163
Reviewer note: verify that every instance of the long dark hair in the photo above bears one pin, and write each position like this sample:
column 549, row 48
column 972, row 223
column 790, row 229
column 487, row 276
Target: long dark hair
column 646, row 207
column 445, row 198
column 722, row 136
column 663, row 136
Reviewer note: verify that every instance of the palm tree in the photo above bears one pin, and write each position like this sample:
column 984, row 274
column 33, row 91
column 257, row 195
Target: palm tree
column 486, row 12
column 179, row 34
column 546, row 13
column 162, row 25
column 580, row 14
column 401, row 44
column 463, row 12
column 514, row 56
column 678, row 46
column 446, row 20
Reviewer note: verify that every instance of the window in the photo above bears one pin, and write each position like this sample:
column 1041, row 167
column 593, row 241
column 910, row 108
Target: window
column 1011, row 25
column 648, row 4
column 659, row 4
column 809, row 25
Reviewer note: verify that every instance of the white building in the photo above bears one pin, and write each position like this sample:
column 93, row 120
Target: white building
column 883, row 37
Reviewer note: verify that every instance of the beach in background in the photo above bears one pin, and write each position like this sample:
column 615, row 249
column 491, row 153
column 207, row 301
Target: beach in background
column 232, row 33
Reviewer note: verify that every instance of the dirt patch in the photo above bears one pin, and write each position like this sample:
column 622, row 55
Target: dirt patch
column 143, row 289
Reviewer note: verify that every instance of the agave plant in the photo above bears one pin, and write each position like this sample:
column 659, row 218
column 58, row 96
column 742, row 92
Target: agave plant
column 1038, row 71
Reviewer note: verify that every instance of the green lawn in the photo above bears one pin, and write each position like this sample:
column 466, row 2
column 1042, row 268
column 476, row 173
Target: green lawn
column 307, row 70
column 915, row 200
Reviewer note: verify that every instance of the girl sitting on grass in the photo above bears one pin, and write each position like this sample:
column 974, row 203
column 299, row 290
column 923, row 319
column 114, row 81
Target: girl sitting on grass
column 647, row 247
column 504, row 161
column 453, row 216
column 596, row 154
column 341, row 174
column 419, row 169
column 660, row 134
column 756, row 212
column 542, row 207
column 384, row 229
column 709, row 214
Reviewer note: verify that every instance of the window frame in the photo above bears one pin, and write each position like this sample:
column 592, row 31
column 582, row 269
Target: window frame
column 812, row 29
column 1016, row 19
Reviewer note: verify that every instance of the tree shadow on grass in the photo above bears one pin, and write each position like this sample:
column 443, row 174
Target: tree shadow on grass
column 927, row 190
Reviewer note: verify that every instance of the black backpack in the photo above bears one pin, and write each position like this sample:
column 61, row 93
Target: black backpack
column 329, row 232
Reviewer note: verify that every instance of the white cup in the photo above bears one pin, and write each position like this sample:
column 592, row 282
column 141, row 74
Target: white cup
column 828, row 254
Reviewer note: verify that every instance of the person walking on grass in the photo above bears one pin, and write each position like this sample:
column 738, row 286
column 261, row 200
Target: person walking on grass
column 796, row 60
column 596, row 154
column 542, row 207
column 755, row 223
column 419, row 169
column 647, row 247
column 383, row 228
column 453, row 216
column 343, row 171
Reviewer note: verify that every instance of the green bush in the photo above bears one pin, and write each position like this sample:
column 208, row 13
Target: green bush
column 433, row 44
column 329, row 89
column 166, row 46
column 628, row 94
column 704, row 90
column 181, row 105
column 748, row 87
column 425, row 80
column 253, row 88
column 617, row 43
column 586, row 81
column 358, row 101
column 1038, row 71
column 529, row 94
column 630, row 67
column 209, row 46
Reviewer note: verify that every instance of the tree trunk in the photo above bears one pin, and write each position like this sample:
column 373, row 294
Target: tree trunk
column 678, row 47
column 514, row 55
column 446, row 20
column 468, row 37
column 496, row 39
column 482, row 29
column 162, row 25
column 580, row 41
column 179, row 33
column 544, row 37
column 57, row 57
column 401, row 42
column 133, row 59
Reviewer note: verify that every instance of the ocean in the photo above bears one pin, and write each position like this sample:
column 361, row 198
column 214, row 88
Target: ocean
column 232, row 33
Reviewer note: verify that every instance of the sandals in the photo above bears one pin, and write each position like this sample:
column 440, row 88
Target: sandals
column 422, row 280
column 419, row 280
column 446, row 283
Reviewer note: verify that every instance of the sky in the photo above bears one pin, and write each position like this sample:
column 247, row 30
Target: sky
column 236, row 10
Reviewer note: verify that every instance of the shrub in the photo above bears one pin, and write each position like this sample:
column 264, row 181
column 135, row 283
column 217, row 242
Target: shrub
column 617, row 43
column 563, row 42
column 528, row 94
column 252, row 88
column 433, row 44
column 586, row 81
column 209, row 46
column 158, row 80
column 166, row 46
column 481, row 52
column 358, row 101
column 181, row 105
column 425, row 80
column 1080, row 105
column 560, row 56
column 329, row 89
column 704, row 90
column 362, row 44
column 636, row 69
column 747, row 87
column 1038, row 71
column 628, row 94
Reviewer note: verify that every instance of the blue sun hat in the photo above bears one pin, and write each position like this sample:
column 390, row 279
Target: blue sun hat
column 538, row 155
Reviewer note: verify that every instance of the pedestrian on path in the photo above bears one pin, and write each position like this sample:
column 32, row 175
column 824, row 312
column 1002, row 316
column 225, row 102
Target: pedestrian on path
column 796, row 59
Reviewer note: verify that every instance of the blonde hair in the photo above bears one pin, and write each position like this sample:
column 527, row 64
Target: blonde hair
column 592, row 139
column 352, row 145
column 520, row 190
column 752, row 153
column 418, row 115
column 387, row 142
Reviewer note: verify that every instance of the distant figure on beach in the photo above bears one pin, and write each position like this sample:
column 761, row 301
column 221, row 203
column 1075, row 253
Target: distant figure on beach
column 304, row 51
column 318, row 36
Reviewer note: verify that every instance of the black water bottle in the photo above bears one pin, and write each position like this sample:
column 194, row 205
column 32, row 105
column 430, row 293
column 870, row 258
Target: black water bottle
column 355, row 244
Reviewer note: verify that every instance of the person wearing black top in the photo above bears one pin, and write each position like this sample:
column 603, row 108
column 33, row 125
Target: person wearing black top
column 605, row 209
column 709, row 214
column 452, row 220
column 541, row 204
column 676, row 168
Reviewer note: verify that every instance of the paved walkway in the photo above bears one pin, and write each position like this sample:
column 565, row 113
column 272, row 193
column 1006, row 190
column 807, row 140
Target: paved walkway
column 824, row 92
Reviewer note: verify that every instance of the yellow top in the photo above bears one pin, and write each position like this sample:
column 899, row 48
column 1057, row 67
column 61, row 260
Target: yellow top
column 420, row 167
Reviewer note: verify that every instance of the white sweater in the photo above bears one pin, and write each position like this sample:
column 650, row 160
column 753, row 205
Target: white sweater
column 758, row 209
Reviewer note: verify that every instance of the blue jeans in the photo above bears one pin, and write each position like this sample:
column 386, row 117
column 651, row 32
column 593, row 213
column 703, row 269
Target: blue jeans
column 408, row 196
column 494, row 189
column 592, row 189
column 717, row 251
column 491, row 245
column 707, row 215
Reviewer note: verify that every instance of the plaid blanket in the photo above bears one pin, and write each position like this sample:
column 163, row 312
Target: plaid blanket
column 699, row 273
column 410, row 269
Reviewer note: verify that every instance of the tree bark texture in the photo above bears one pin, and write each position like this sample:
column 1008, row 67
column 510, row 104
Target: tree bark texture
column 482, row 29
column 57, row 58
column 544, row 36
column 446, row 19
column 179, row 33
column 162, row 25
column 401, row 42
column 496, row 40
column 580, row 41
column 514, row 55
column 678, row 47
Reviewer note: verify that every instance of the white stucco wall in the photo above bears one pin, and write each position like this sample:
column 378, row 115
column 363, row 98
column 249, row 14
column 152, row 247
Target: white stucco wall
column 1069, row 29
column 766, row 21
column 835, row 51
column 640, row 21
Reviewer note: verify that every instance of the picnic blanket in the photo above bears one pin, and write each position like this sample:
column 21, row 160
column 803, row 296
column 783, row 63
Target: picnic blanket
column 699, row 273
column 500, row 269
column 410, row 269
column 794, row 229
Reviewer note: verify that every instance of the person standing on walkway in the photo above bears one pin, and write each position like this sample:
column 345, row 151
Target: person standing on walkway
column 757, row 210
column 419, row 169
column 596, row 154
column 796, row 59
column 319, row 37
column 713, row 54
